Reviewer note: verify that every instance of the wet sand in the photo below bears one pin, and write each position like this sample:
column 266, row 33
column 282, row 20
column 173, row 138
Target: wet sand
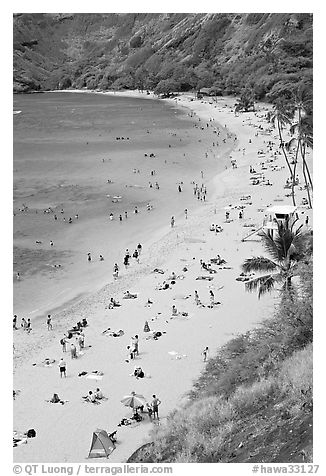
column 76, row 180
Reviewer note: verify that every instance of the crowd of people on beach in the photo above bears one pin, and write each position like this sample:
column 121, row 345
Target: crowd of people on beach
column 73, row 340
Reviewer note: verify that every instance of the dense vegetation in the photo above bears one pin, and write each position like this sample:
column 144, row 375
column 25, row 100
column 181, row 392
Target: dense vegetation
column 269, row 54
column 253, row 401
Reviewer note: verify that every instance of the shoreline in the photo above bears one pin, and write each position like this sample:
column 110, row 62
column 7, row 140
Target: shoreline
column 169, row 377
column 159, row 232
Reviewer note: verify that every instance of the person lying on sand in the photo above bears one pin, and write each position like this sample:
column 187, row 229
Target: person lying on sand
column 207, row 267
column 113, row 303
column 157, row 270
column 154, row 334
column 218, row 260
column 111, row 333
column 48, row 362
column 97, row 373
column 129, row 421
column 128, row 295
column 164, row 286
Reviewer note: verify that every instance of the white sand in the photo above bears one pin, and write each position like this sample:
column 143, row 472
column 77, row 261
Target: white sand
column 64, row 432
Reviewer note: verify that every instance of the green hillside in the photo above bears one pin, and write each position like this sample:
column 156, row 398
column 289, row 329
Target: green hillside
column 164, row 52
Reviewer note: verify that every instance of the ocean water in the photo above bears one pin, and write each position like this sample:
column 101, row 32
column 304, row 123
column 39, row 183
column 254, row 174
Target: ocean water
column 69, row 161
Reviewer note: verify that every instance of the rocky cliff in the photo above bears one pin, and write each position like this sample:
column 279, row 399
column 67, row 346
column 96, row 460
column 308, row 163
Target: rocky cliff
column 167, row 52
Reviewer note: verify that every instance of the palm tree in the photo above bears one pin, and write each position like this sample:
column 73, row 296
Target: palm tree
column 303, row 129
column 281, row 117
column 286, row 249
column 246, row 102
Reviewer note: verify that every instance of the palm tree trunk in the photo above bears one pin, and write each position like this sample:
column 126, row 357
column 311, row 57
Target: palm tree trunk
column 304, row 167
column 303, row 154
column 283, row 149
column 294, row 170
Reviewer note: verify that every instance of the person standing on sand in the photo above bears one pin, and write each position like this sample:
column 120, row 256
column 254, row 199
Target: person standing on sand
column 126, row 261
column 49, row 323
column 197, row 300
column 81, row 341
column 89, row 258
column 186, row 213
column 29, row 326
column 155, row 404
column 211, row 297
column 205, row 354
column 73, row 351
column 139, row 248
column 172, row 222
column 134, row 344
column 62, row 367
column 15, row 322
column 116, row 271
column 63, row 342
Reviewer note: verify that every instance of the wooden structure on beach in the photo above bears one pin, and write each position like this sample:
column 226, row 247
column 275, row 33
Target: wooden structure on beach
column 273, row 217
column 279, row 214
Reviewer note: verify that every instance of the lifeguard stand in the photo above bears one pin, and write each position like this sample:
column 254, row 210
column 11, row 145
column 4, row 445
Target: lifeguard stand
column 274, row 216
column 279, row 214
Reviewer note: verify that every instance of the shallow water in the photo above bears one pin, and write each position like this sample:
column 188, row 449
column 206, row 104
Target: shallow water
column 65, row 151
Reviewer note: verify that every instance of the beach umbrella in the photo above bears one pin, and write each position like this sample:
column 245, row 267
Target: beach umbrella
column 133, row 400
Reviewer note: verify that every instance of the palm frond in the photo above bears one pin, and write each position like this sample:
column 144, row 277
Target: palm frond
column 271, row 245
column 264, row 284
column 290, row 143
column 259, row 263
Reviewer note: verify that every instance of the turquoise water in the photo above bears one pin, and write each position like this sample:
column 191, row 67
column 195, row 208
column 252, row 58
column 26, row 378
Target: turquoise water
column 65, row 151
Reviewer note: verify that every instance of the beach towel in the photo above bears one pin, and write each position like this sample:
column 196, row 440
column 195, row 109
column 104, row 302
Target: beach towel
column 94, row 377
column 207, row 278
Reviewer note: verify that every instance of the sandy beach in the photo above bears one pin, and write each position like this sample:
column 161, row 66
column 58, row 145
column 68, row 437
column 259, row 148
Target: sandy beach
column 69, row 166
column 173, row 360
